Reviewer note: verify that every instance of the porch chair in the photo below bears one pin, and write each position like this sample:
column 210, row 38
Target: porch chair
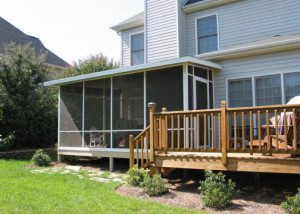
column 96, row 139
column 280, row 138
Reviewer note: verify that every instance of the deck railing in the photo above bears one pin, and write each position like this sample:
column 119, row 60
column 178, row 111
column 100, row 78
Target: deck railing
column 262, row 129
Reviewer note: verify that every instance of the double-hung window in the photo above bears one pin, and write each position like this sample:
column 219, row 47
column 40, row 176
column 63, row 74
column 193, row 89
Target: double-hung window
column 207, row 34
column 137, row 49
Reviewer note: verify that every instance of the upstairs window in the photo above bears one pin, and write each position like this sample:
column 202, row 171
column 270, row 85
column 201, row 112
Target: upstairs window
column 207, row 34
column 137, row 49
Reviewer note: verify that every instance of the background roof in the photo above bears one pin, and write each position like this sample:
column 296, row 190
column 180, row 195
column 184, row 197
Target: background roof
column 9, row 33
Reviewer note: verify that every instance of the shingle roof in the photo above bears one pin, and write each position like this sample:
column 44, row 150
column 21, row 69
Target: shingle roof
column 192, row 2
column 9, row 33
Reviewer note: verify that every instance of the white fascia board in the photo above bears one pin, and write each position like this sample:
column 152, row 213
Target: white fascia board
column 249, row 50
column 206, row 4
column 135, row 69
column 127, row 26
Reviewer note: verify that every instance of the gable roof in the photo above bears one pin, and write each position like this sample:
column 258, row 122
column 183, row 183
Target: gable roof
column 133, row 22
column 9, row 33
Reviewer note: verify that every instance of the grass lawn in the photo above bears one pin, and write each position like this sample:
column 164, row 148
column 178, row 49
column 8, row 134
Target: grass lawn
column 21, row 191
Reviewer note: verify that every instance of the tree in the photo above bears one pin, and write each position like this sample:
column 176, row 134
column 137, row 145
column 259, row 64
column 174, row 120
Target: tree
column 91, row 64
column 27, row 110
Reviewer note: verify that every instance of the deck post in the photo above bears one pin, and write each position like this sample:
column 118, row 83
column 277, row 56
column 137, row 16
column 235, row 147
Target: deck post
column 164, row 129
column 131, row 151
column 224, row 132
column 152, row 107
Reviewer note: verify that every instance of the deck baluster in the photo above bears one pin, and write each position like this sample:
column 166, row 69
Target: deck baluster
column 294, row 131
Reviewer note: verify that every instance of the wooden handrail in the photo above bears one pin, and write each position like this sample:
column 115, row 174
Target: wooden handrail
column 224, row 130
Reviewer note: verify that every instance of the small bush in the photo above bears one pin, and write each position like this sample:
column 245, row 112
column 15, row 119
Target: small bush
column 292, row 203
column 7, row 142
column 155, row 185
column 135, row 176
column 215, row 191
column 40, row 158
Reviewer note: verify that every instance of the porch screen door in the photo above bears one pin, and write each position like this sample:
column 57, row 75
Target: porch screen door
column 201, row 101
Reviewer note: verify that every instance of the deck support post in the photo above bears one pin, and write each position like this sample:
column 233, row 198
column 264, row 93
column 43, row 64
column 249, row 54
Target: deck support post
column 131, row 151
column 152, row 107
column 59, row 159
column 224, row 132
column 111, row 164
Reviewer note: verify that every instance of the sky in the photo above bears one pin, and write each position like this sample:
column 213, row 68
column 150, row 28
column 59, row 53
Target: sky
column 72, row 29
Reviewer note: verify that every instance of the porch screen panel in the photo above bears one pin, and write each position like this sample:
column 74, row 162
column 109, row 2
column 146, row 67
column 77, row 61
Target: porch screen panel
column 291, row 85
column 128, row 102
column 71, row 115
column 165, row 88
column 97, row 105
column 71, row 107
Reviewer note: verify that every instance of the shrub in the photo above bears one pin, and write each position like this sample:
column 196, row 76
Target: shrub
column 155, row 185
column 292, row 203
column 215, row 191
column 135, row 176
column 7, row 142
column 40, row 158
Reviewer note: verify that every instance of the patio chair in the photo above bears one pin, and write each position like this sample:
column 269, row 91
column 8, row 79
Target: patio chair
column 97, row 140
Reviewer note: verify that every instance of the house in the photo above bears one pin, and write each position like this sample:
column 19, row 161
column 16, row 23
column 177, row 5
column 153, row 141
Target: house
column 183, row 56
column 9, row 33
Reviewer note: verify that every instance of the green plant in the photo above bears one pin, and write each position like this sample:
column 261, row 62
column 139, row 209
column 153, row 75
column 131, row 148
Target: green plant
column 27, row 108
column 135, row 176
column 215, row 190
column 41, row 158
column 155, row 185
column 292, row 203
column 7, row 142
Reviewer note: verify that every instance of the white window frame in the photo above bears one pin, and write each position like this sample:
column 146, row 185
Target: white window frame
column 130, row 51
column 196, row 31
column 253, row 76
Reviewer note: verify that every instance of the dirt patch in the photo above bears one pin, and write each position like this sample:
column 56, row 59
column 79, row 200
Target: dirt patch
column 182, row 195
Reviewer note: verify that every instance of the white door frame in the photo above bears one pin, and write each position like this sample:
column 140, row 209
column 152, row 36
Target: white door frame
column 195, row 79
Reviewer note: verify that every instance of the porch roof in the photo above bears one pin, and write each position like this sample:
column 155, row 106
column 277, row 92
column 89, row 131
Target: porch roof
column 134, row 69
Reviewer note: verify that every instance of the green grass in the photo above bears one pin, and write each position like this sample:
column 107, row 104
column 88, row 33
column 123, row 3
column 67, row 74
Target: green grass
column 24, row 192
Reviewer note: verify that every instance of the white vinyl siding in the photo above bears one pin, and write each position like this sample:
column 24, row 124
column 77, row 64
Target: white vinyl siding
column 125, row 36
column 207, row 34
column 137, row 49
column 248, row 21
column 161, row 30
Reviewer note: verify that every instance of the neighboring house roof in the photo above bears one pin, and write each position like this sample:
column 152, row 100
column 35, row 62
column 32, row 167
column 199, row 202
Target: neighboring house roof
column 9, row 33
column 133, row 22
column 135, row 68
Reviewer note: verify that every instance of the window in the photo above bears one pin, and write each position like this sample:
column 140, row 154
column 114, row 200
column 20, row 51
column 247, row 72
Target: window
column 268, row 90
column 207, row 34
column 240, row 93
column 137, row 49
column 291, row 85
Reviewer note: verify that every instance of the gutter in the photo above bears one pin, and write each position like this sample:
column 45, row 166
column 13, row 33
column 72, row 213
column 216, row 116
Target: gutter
column 205, row 4
column 252, row 50
column 127, row 26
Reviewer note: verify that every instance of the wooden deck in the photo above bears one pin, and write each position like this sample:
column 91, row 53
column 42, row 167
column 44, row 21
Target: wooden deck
column 229, row 139
column 235, row 162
